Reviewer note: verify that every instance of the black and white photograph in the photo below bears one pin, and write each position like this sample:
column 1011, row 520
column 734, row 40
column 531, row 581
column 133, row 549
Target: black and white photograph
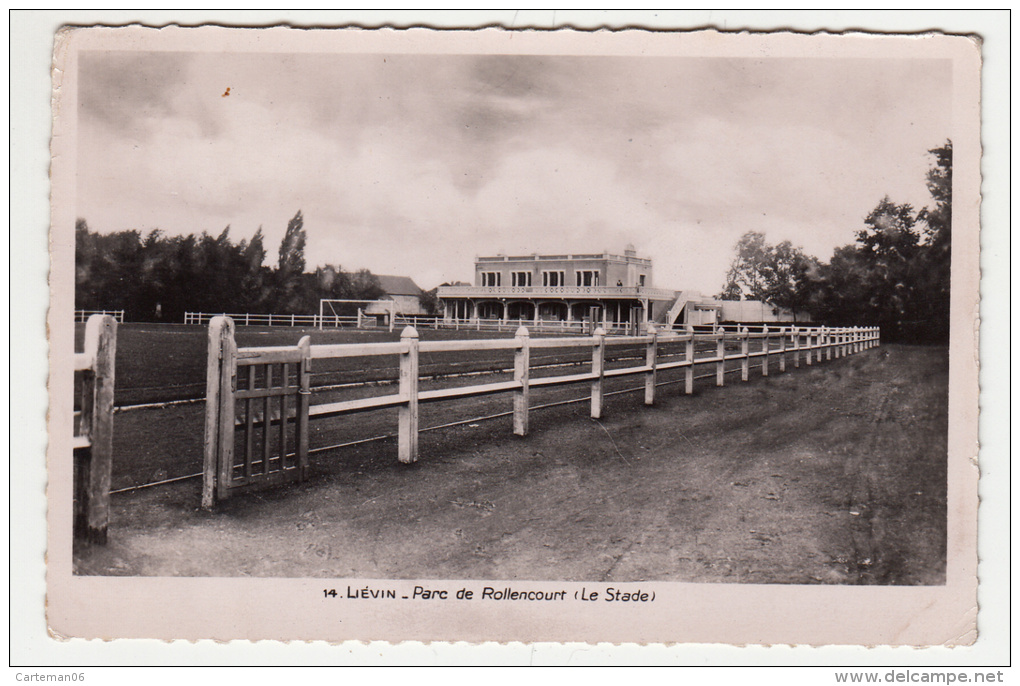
column 509, row 336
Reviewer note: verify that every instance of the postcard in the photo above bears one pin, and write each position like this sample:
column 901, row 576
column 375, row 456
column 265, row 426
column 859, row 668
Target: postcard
column 487, row 335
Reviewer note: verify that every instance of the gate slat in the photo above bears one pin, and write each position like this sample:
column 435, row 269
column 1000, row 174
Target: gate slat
column 267, row 414
column 249, row 426
column 285, row 379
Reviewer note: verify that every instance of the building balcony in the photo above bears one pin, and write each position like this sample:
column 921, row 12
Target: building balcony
column 558, row 292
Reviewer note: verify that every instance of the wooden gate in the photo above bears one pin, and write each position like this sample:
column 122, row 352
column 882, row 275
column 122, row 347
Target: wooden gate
column 256, row 421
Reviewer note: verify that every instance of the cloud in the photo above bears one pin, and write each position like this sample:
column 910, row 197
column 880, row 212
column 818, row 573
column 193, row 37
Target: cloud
column 413, row 164
column 124, row 90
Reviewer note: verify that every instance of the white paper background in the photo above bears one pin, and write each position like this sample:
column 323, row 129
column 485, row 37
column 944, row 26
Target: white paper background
column 31, row 44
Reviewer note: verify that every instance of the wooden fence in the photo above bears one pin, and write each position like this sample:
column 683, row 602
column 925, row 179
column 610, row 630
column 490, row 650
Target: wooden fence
column 93, row 436
column 418, row 321
column 306, row 320
column 83, row 315
column 227, row 470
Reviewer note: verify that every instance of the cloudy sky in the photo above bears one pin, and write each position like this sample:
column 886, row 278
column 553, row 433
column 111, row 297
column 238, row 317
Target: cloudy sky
column 413, row 165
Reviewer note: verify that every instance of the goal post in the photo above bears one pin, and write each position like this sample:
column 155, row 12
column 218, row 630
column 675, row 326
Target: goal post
column 339, row 309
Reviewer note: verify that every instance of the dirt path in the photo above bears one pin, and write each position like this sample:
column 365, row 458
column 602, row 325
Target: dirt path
column 829, row 474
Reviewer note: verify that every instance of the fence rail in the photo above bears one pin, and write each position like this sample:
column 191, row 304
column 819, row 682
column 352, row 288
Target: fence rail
column 427, row 321
column 83, row 315
column 93, row 436
column 533, row 325
column 304, row 320
column 801, row 344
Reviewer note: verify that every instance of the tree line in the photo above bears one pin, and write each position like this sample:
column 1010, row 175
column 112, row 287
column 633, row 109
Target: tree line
column 157, row 277
column 896, row 274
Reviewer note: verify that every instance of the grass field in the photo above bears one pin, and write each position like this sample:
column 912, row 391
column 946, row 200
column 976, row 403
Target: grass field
column 159, row 364
column 828, row 474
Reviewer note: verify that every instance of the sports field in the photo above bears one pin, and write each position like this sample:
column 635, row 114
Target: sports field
column 160, row 384
column 833, row 473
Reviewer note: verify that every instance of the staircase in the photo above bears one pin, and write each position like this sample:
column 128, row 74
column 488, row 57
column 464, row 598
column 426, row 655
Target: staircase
column 673, row 312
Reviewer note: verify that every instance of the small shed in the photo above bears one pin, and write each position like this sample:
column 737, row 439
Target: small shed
column 400, row 289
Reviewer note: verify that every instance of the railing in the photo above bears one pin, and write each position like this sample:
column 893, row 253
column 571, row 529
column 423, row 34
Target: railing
column 556, row 292
column 93, row 436
column 307, row 320
column 83, row 315
column 644, row 261
column 538, row 326
column 803, row 344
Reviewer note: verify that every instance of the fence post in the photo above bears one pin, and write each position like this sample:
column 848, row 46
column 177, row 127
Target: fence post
column 522, row 366
column 745, row 362
column 651, row 353
column 598, row 369
column 765, row 345
column 93, row 515
column 720, row 353
column 807, row 346
column 228, row 384
column 689, row 356
column 407, row 434
column 820, row 341
column 304, row 399
column 219, row 330
column 796, row 347
column 782, row 349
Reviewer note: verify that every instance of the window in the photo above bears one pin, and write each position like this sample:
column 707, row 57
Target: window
column 587, row 277
column 490, row 278
column 641, row 280
column 520, row 278
column 552, row 279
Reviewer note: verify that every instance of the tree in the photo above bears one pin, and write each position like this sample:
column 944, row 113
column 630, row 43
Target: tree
column 938, row 234
column 897, row 274
column 160, row 277
column 291, row 268
column 430, row 301
column 292, row 247
column 256, row 292
column 777, row 274
column 748, row 274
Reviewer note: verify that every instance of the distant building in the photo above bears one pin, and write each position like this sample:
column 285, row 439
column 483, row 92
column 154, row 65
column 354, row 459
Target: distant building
column 602, row 288
column 610, row 290
column 400, row 289
column 691, row 307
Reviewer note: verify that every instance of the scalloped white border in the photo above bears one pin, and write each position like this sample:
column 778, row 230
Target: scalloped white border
column 29, row 300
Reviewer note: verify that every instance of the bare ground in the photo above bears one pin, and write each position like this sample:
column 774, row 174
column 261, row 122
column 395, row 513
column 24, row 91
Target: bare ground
column 832, row 474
